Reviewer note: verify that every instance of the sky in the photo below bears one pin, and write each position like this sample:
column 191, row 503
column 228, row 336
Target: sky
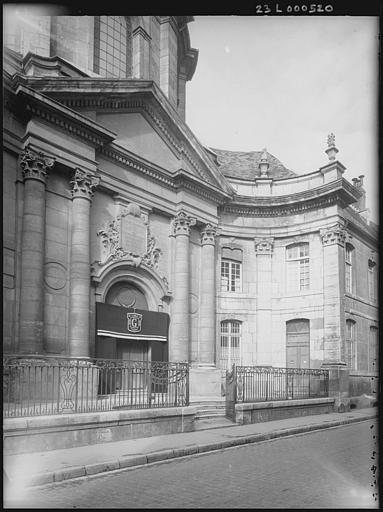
column 285, row 83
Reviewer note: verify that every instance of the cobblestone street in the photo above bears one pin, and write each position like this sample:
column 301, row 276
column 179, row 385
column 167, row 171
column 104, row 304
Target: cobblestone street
column 331, row 469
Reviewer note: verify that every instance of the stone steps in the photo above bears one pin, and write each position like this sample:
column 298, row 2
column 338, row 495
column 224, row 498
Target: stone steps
column 210, row 413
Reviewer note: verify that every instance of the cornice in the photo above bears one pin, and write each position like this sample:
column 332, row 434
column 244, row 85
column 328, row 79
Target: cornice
column 338, row 191
column 360, row 228
column 184, row 180
column 41, row 106
column 123, row 157
column 288, row 208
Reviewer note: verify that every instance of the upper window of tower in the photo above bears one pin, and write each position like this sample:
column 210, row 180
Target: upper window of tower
column 111, row 46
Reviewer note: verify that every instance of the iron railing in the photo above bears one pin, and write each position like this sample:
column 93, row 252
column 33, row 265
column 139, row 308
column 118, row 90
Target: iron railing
column 41, row 385
column 261, row 383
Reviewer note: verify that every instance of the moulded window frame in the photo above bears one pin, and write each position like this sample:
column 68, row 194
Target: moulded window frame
column 231, row 263
column 300, row 269
column 230, row 335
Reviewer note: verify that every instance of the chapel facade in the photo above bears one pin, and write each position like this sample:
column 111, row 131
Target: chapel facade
column 112, row 206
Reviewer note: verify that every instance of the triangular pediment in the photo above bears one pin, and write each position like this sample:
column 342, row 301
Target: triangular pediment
column 144, row 122
column 135, row 134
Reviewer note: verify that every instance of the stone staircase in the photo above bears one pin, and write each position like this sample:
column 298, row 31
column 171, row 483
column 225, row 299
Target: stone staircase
column 210, row 414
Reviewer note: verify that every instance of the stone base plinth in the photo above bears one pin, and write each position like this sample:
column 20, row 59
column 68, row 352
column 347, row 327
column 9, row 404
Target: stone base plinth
column 205, row 382
column 259, row 412
column 338, row 386
column 42, row 433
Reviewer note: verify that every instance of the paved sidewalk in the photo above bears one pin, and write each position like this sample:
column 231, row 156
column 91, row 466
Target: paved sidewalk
column 54, row 466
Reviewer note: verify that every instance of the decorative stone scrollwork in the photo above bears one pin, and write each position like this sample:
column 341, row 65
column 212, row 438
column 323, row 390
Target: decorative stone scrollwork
column 182, row 223
column 335, row 234
column 128, row 237
column 263, row 245
column 153, row 253
column 208, row 234
column 84, row 183
column 34, row 164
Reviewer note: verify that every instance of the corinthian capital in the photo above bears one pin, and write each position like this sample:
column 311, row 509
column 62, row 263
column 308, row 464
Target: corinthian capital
column 34, row 164
column 84, row 183
column 208, row 234
column 263, row 245
column 182, row 222
column 335, row 234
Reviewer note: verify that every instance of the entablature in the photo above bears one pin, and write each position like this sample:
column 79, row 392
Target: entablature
column 336, row 192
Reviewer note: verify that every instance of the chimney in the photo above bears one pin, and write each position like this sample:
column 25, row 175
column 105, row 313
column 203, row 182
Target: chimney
column 360, row 205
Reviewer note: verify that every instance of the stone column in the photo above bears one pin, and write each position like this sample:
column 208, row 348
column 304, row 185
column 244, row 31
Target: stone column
column 179, row 347
column 264, row 251
column 206, row 352
column 34, row 166
column 333, row 239
column 82, row 192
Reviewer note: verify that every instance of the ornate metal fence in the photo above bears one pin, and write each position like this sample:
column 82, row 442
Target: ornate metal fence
column 41, row 385
column 261, row 383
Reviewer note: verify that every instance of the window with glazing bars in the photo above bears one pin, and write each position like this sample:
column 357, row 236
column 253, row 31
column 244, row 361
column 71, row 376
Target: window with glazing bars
column 230, row 276
column 111, row 51
column 298, row 267
column 348, row 268
column 351, row 355
column 230, row 343
column 372, row 284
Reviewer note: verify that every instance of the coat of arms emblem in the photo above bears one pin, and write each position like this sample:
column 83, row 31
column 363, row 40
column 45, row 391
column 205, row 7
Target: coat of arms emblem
column 134, row 322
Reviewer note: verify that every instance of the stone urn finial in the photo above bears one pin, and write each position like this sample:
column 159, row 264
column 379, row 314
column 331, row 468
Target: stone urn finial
column 264, row 164
column 331, row 150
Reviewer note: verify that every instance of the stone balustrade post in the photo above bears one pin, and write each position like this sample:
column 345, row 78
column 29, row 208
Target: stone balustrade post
column 34, row 166
column 179, row 346
column 83, row 184
column 206, row 351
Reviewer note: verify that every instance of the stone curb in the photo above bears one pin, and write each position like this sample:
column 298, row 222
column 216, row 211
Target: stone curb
column 139, row 460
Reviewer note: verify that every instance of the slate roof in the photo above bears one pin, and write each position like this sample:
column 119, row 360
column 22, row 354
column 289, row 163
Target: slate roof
column 245, row 165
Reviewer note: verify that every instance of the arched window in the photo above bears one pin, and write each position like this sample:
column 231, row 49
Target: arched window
column 298, row 267
column 372, row 282
column 230, row 343
column 373, row 350
column 349, row 262
column 112, row 46
column 298, row 343
column 127, row 295
column 351, row 352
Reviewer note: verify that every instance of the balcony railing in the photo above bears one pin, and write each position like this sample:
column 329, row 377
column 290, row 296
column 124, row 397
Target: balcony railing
column 44, row 385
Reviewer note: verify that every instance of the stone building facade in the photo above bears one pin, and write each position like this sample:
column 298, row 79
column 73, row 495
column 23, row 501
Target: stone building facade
column 109, row 198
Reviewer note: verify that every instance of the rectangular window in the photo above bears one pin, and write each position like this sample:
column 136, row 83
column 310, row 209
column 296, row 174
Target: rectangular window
column 298, row 267
column 230, row 343
column 373, row 350
column 348, row 268
column 372, row 284
column 351, row 345
column 230, row 276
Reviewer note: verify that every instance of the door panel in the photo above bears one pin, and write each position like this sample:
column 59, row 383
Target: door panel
column 134, row 377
